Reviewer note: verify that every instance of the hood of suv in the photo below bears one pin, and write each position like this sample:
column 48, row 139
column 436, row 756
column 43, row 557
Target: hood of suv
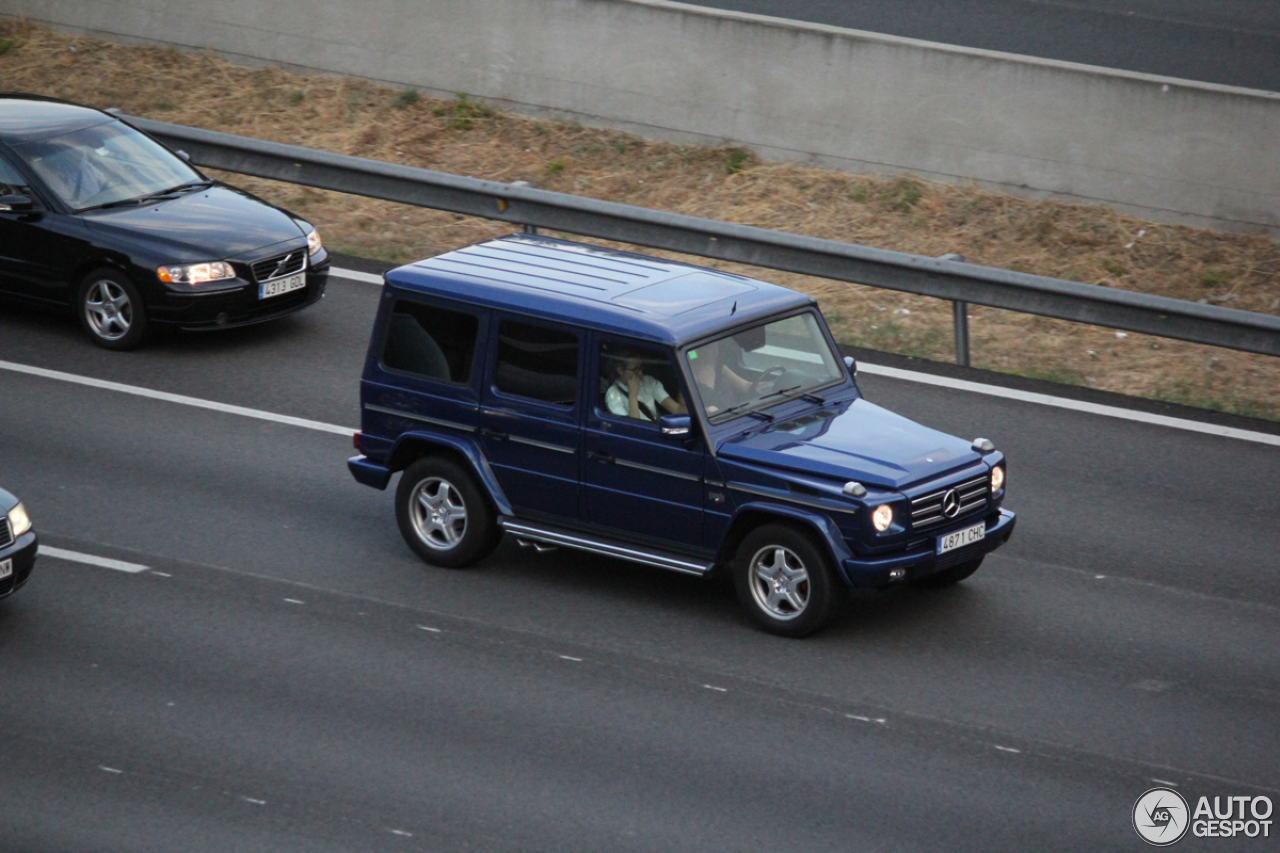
column 207, row 225
column 855, row 441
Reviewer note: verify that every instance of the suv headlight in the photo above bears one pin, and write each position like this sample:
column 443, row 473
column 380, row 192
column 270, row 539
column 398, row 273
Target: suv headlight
column 313, row 242
column 19, row 521
column 997, row 479
column 195, row 273
column 882, row 517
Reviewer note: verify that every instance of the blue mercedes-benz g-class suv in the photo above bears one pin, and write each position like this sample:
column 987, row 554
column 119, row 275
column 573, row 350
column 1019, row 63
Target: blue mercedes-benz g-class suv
column 660, row 413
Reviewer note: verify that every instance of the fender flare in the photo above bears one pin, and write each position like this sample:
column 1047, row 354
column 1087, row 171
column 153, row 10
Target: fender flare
column 827, row 534
column 402, row 455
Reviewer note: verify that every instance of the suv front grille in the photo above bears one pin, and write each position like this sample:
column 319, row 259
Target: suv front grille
column 6, row 533
column 266, row 270
column 926, row 511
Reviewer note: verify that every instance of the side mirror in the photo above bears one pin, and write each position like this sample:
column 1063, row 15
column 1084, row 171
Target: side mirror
column 676, row 426
column 16, row 203
column 851, row 363
column 184, row 155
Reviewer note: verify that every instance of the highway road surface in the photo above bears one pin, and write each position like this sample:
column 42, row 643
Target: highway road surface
column 226, row 646
column 1233, row 42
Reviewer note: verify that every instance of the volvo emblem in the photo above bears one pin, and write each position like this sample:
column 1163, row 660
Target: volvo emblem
column 950, row 503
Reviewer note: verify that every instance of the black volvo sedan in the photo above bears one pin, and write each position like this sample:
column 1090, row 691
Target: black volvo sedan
column 99, row 216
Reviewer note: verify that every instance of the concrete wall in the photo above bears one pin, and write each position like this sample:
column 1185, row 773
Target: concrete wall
column 1162, row 148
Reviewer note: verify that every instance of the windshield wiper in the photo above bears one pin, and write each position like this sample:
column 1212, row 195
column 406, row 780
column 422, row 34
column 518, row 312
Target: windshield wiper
column 814, row 398
column 120, row 203
column 720, row 417
column 780, row 391
column 146, row 197
column 189, row 185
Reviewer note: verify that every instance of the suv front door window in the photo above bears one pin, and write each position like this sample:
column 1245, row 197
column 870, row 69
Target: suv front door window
column 635, row 479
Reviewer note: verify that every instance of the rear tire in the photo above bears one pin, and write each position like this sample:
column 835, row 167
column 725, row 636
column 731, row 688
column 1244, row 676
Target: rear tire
column 785, row 581
column 444, row 515
column 951, row 576
column 110, row 310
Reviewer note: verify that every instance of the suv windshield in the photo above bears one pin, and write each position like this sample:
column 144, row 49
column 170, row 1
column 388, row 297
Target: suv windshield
column 757, row 367
column 104, row 164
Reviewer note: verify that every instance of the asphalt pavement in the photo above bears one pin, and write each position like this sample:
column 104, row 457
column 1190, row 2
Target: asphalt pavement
column 281, row 673
column 1232, row 42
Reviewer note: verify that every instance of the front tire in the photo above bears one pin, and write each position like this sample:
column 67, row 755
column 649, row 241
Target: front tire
column 111, row 311
column 443, row 514
column 785, row 581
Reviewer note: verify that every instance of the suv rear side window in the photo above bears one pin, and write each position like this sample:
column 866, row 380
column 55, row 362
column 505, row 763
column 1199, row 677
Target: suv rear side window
column 537, row 362
column 432, row 342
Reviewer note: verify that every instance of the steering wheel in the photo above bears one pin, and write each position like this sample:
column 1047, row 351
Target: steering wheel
column 769, row 377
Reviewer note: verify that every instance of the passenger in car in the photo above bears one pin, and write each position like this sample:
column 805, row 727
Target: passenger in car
column 634, row 394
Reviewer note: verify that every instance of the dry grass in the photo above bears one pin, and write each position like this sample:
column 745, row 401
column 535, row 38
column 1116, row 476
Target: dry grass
column 1083, row 243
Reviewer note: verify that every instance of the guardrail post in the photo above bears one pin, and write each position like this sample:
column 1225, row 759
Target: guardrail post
column 531, row 229
column 961, row 312
column 962, row 332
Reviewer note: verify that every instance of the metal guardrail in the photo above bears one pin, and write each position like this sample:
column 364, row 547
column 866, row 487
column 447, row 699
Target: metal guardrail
column 941, row 278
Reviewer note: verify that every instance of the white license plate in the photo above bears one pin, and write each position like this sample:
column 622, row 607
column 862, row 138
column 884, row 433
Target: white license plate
column 297, row 281
column 6, row 568
column 960, row 538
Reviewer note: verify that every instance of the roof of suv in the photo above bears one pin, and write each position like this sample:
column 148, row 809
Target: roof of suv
column 27, row 117
column 578, row 283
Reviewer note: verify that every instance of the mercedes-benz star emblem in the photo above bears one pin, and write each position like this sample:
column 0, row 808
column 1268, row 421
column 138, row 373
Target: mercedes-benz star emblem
column 950, row 503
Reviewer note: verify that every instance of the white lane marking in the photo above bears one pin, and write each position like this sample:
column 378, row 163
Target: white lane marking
column 294, row 601
column 575, row 660
column 367, row 278
column 719, row 689
column 875, row 369
column 90, row 559
column 109, row 769
column 432, row 630
column 401, row 832
column 1165, row 782
column 176, row 398
column 161, row 574
column 1075, row 405
column 879, row 720
column 255, row 802
column 1005, row 748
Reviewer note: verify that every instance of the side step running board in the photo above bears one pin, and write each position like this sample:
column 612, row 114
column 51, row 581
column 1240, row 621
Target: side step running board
column 532, row 533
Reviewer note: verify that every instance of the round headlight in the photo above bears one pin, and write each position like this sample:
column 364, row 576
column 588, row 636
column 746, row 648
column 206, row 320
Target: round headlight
column 997, row 479
column 882, row 517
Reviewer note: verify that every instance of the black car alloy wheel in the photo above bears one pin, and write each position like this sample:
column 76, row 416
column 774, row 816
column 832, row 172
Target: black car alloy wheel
column 111, row 310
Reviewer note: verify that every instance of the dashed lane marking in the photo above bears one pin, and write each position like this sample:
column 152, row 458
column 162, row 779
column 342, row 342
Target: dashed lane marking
column 92, row 560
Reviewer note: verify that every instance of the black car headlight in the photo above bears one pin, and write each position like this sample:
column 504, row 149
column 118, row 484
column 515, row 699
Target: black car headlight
column 195, row 273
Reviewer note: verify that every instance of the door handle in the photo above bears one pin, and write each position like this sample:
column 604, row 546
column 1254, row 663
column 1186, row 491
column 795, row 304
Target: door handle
column 493, row 433
column 601, row 457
